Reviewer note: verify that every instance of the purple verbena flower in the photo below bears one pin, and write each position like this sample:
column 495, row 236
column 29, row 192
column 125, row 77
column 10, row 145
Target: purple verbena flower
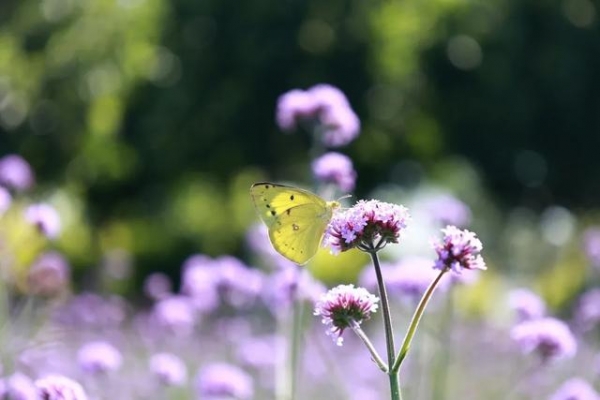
column 15, row 172
column 5, row 200
column 591, row 245
column 58, row 387
column 342, row 306
column 48, row 275
column 221, row 380
column 158, row 286
column 448, row 210
column 290, row 284
column 17, row 387
column 526, row 304
column 177, row 314
column 325, row 108
column 99, row 357
column 45, row 218
column 587, row 311
column 199, row 281
column 366, row 225
column 238, row 284
column 549, row 337
column 168, row 369
column 458, row 250
column 575, row 389
column 335, row 168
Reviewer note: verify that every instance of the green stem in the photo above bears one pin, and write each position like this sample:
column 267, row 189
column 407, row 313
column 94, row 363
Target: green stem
column 414, row 323
column 387, row 322
column 363, row 336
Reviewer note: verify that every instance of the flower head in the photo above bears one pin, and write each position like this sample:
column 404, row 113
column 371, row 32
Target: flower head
column 549, row 337
column 18, row 387
column 575, row 389
column 342, row 306
column 175, row 313
column 365, row 223
column 447, row 209
column 526, row 304
column 335, row 168
column 15, row 172
column 323, row 107
column 58, row 387
column 45, row 218
column 220, row 380
column 99, row 357
column 168, row 369
column 48, row 275
column 458, row 250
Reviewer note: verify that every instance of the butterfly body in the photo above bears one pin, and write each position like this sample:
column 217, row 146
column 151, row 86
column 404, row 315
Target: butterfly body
column 296, row 218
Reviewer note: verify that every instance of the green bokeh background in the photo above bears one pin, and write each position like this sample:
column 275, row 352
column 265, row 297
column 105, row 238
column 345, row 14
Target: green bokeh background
column 146, row 121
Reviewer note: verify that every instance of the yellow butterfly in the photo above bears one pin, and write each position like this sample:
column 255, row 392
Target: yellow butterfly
column 296, row 218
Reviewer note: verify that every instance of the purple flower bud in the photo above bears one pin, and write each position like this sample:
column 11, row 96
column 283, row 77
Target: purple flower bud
column 342, row 306
column 15, row 172
column 58, row 387
column 549, row 337
column 168, row 369
column 335, row 168
column 220, row 380
column 99, row 357
column 45, row 218
column 48, row 275
column 458, row 250
column 17, row 387
column 526, row 304
column 364, row 224
column 575, row 389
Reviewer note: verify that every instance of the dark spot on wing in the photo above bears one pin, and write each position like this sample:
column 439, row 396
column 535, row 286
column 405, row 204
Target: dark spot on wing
column 292, row 197
column 288, row 211
column 268, row 205
column 273, row 213
column 295, row 227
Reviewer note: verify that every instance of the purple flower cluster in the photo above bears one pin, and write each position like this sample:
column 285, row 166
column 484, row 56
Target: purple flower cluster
column 16, row 173
column 335, row 168
column 548, row 337
column 323, row 107
column 526, row 304
column 99, row 357
column 342, row 306
column 575, row 389
column 224, row 381
column 49, row 275
column 458, row 250
column 57, row 387
column 45, row 218
column 367, row 224
column 448, row 210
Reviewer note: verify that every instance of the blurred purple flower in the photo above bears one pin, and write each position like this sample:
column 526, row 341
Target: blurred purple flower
column 364, row 224
column 15, row 172
column 325, row 107
column 259, row 352
column 99, row 357
column 549, row 337
column 239, row 285
column 93, row 311
column 48, row 275
column 526, row 304
column 342, row 306
column 290, row 284
column 591, row 245
column 168, row 369
column 45, row 218
column 158, row 286
column 58, row 387
column 587, row 311
column 409, row 278
column 5, row 200
column 176, row 314
column 220, row 380
column 448, row 210
column 575, row 389
column 17, row 387
column 458, row 250
column 199, row 281
column 335, row 168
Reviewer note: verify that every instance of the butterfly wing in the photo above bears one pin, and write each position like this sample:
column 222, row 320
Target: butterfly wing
column 296, row 219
